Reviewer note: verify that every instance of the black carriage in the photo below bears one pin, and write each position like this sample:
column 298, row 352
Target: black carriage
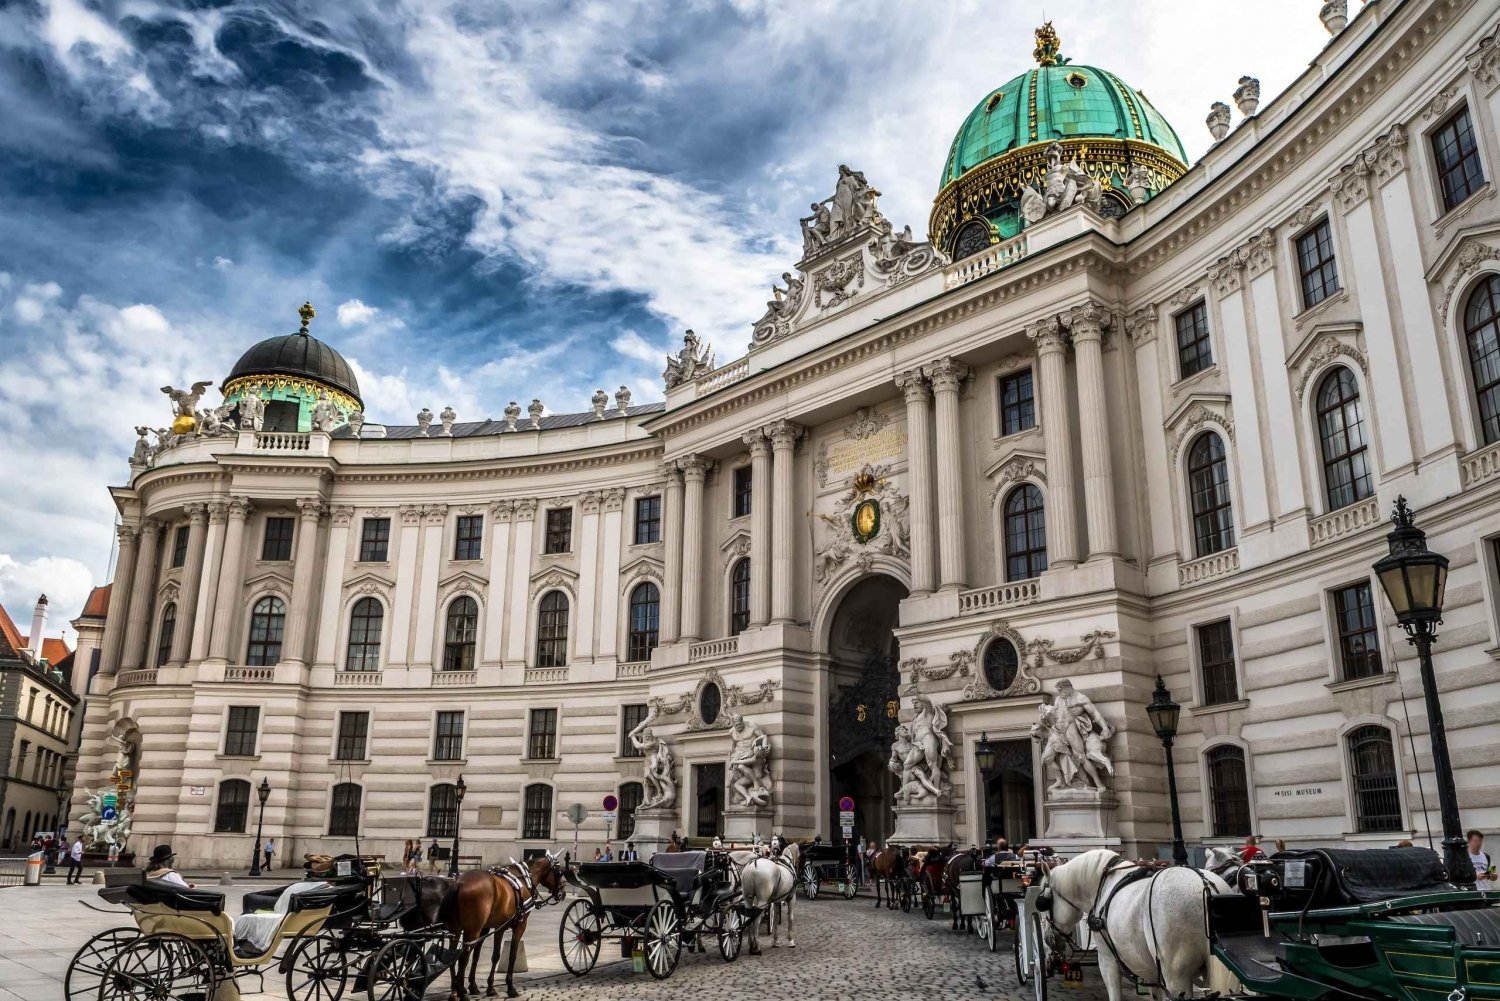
column 999, row 888
column 828, row 864
column 652, row 906
column 929, row 879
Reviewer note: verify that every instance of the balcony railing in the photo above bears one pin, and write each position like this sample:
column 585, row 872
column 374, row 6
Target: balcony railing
column 545, row 675
column 636, row 669
column 1208, row 567
column 984, row 599
column 713, row 649
column 358, row 679
column 1481, row 464
column 1344, row 521
column 249, row 674
column 128, row 679
column 724, row 375
column 454, row 679
column 282, row 441
column 975, row 267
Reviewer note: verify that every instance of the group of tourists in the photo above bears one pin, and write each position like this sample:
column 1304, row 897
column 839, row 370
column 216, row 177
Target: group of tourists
column 411, row 856
column 626, row 854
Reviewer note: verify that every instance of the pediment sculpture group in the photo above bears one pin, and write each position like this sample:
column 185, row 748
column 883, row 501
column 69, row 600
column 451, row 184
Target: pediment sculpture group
column 747, row 768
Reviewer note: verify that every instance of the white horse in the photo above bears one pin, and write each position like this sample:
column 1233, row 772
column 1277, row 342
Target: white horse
column 770, row 884
column 1154, row 927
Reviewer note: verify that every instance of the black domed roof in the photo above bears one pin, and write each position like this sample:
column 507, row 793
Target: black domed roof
column 300, row 355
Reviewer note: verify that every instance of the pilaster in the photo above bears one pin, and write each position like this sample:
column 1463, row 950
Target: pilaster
column 1086, row 324
column 1062, row 492
column 914, row 387
column 760, row 526
column 783, row 435
column 192, row 582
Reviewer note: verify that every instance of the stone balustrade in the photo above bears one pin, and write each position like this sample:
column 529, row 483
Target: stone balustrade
column 249, row 674
column 724, row 375
column 1481, row 464
column 635, row 669
column 1344, row 521
column 713, row 649
column 454, row 679
column 984, row 599
column 358, row 679
column 976, row 266
column 130, row 679
column 545, row 675
column 1208, row 567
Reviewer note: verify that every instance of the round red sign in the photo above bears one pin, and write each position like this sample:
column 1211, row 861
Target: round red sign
column 610, row 802
column 847, row 803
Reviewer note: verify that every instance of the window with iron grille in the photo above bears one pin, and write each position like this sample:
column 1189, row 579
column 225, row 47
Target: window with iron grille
column 1208, row 489
column 743, row 490
column 645, row 618
column 1216, row 663
column 442, row 811
column 1025, row 533
column 631, row 716
column 1372, row 765
column 276, row 544
column 458, row 636
column 631, row 794
column 1341, row 434
column 343, row 812
column 179, row 546
column 559, row 530
column 165, row 633
column 1358, row 629
column 552, row 630
column 240, row 731
column 1229, row 791
column 1017, row 403
column 365, row 621
column 647, row 520
column 1194, row 349
column 233, row 809
column 374, row 540
column 1459, row 171
column 267, row 619
column 541, row 741
column 739, row 597
column 1001, row 662
column 448, row 739
column 468, row 539
column 536, row 825
column 1482, row 332
column 1315, row 264
column 354, row 732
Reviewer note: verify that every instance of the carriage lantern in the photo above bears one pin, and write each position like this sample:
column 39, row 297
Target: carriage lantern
column 984, row 754
column 1164, row 712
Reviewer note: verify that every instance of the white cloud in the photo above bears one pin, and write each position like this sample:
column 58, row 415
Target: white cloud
column 633, row 345
column 65, row 581
column 355, row 313
column 223, row 263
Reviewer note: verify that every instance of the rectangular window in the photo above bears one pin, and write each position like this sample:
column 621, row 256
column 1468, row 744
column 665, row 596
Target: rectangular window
column 239, row 734
column 631, row 716
column 1358, row 632
column 647, row 520
column 743, row 493
column 469, row 538
column 343, row 814
column 537, row 822
column 1017, row 403
column 448, row 744
column 354, row 730
column 1315, row 264
column 233, row 809
column 559, row 530
column 374, row 540
column 1216, row 662
column 1459, row 171
column 1194, row 351
column 277, row 544
column 542, row 742
column 179, row 546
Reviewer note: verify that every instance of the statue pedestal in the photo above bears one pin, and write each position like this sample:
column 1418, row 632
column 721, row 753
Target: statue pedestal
column 653, row 828
column 1081, row 814
column 923, row 824
column 743, row 824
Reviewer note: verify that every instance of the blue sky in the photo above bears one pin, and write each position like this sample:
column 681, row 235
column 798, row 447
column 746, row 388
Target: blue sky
column 484, row 201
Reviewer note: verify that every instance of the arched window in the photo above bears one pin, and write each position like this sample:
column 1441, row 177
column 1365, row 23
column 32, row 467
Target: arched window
column 645, row 617
column 536, row 822
column 1001, row 662
column 1372, row 766
column 233, row 808
column 739, row 597
column 1341, row 430
column 266, row 622
column 1208, row 488
column 458, row 637
column 365, row 621
column 1025, row 533
column 552, row 630
column 972, row 237
column 442, row 811
column 631, row 794
column 343, row 812
column 1229, row 791
column 165, row 633
column 1482, row 331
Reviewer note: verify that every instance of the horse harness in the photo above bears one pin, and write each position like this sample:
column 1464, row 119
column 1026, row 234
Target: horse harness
column 528, row 899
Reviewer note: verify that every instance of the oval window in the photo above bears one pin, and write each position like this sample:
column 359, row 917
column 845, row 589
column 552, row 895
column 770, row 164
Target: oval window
column 709, row 703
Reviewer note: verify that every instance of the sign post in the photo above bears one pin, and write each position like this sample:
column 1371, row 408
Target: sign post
column 846, row 816
column 576, row 813
column 611, row 804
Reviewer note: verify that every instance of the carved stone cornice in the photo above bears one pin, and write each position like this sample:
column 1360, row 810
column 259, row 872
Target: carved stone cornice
column 1259, row 252
column 1017, row 467
column 1086, row 322
column 411, row 514
column 1227, row 274
column 1047, row 335
column 434, row 514
column 1326, row 349
column 1471, row 254
column 1484, row 60
column 590, row 500
column 913, row 386
column 343, row 514
column 614, row 499
column 501, row 510
column 1351, row 185
column 1186, row 295
column 525, row 509
column 1140, row 326
column 1196, row 417
column 946, row 375
column 960, row 662
column 197, row 513
column 783, row 433
column 1389, row 154
column 757, row 441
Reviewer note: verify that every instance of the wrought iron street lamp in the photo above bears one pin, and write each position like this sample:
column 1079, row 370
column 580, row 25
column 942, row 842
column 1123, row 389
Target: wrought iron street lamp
column 1415, row 579
column 458, row 812
column 984, row 754
column 264, row 792
column 1164, row 713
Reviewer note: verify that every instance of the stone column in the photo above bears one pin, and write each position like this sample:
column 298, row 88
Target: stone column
column 947, row 377
column 523, row 552
column 611, row 530
column 306, row 556
column 119, row 599
column 208, row 591
column 1086, row 324
column 694, row 471
column 582, row 638
column 913, row 384
column 671, row 603
column 434, row 517
column 192, row 581
column 231, row 574
column 1062, row 515
column 494, row 609
column 333, row 585
column 138, row 622
column 405, row 561
column 783, row 435
column 760, row 527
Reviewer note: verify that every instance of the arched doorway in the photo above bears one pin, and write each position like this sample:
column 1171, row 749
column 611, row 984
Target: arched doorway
column 863, row 700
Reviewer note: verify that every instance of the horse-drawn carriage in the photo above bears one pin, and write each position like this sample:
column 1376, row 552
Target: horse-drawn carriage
column 677, row 895
column 827, row 864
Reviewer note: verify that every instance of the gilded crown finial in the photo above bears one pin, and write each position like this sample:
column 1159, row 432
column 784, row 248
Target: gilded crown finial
column 307, row 313
column 1048, row 46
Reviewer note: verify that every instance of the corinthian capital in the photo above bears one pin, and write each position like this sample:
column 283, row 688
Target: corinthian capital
column 783, row 433
column 239, row 508
column 526, row 509
column 945, row 374
column 1140, row 326
column 343, row 514
column 757, row 441
column 1047, row 335
column 311, row 507
column 435, row 514
column 126, row 533
column 694, row 468
column 218, row 510
column 411, row 514
column 197, row 512
column 500, row 511
column 913, row 384
column 1086, row 322
column 1228, row 274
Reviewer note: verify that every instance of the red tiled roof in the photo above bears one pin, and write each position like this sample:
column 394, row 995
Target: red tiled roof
column 11, row 640
column 98, row 604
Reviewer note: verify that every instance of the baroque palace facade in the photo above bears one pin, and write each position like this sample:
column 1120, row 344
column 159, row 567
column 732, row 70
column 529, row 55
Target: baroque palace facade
column 1118, row 418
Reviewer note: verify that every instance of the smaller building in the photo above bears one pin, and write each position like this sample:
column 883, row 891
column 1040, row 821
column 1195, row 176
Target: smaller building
column 38, row 728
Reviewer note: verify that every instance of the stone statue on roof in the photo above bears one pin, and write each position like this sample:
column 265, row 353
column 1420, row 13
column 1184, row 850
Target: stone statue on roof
column 693, row 360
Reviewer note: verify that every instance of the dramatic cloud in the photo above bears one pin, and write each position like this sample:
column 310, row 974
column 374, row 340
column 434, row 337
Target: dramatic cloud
column 355, row 313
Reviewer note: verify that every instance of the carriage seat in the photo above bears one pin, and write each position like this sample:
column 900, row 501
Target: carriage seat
column 180, row 898
column 683, row 867
column 1479, row 927
column 1342, row 877
column 254, row 932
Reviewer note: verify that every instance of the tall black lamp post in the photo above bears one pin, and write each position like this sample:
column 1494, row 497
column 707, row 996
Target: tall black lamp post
column 1414, row 579
column 458, row 815
column 985, row 759
column 264, row 792
column 1164, row 712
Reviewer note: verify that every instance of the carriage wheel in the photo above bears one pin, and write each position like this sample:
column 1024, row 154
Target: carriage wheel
column 992, row 921
column 397, row 972
column 168, row 967
column 982, row 927
column 579, row 936
column 731, row 932
column 318, row 971
column 809, row 882
column 849, row 888
column 1039, row 961
column 929, row 897
column 663, row 940
column 906, row 894
column 86, row 971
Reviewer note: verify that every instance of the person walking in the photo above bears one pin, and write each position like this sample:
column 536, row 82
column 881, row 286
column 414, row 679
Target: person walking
column 432, row 856
column 1484, row 870
column 75, row 862
column 269, row 849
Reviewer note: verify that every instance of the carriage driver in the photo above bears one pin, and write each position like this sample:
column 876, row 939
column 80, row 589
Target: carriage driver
column 160, row 867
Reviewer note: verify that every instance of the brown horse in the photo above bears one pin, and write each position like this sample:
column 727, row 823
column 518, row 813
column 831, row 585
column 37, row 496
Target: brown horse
column 494, row 901
column 961, row 862
column 893, row 866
